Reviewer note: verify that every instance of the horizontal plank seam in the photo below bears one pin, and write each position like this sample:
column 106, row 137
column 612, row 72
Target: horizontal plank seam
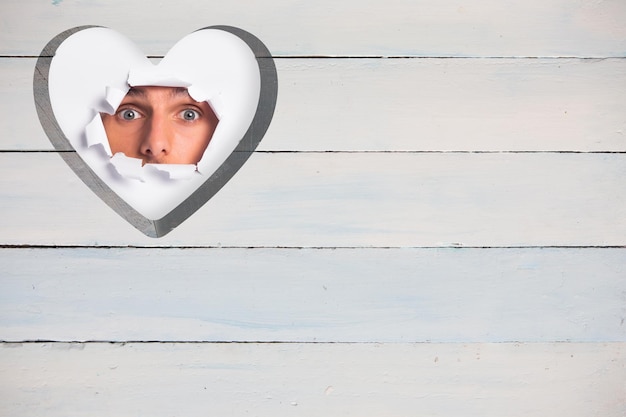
column 290, row 342
column 372, row 151
column 555, row 57
column 453, row 246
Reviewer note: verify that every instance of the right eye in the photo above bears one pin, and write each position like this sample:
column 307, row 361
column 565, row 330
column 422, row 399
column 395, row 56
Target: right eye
column 129, row 114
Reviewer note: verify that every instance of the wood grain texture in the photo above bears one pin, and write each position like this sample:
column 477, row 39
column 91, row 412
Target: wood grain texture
column 371, row 215
column 362, row 200
column 370, row 27
column 408, row 105
column 312, row 295
column 482, row 380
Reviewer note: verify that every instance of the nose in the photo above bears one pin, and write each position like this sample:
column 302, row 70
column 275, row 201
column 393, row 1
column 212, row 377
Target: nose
column 156, row 143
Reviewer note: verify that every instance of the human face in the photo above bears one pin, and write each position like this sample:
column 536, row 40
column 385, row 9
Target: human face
column 160, row 125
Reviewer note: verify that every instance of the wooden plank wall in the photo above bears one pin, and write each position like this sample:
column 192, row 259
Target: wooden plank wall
column 434, row 224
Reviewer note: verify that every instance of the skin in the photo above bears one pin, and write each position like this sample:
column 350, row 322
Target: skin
column 160, row 125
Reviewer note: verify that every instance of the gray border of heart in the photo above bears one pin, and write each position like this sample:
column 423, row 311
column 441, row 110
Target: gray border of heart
column 245, row 148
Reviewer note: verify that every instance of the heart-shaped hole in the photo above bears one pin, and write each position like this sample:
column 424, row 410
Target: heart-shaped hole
column 155, row 142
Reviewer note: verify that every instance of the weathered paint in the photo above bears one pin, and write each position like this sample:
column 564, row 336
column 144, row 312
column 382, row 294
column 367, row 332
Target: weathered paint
column 475, row 199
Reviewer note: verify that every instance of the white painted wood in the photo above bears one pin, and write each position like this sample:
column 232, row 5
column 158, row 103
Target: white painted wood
column 346, row 200
column 359, row 200
column 481, row 380
column 312, row 295
column 326, row 27
column 450, row 104
column 408, row 105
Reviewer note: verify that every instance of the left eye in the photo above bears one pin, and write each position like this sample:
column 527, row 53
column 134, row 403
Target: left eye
column 189, row 114
column 129, row 114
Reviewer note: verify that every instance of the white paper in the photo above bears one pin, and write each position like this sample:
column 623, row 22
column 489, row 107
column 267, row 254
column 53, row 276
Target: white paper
column 90, row 74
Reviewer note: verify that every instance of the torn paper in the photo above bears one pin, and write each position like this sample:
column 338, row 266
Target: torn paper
column 91, row 73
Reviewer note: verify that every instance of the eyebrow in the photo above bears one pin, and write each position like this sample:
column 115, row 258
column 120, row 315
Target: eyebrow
column 136, row 91
column 177, row 91
column 141, row 92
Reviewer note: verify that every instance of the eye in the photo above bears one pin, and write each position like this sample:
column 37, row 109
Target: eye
column 129, row 114
column 189, row 114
